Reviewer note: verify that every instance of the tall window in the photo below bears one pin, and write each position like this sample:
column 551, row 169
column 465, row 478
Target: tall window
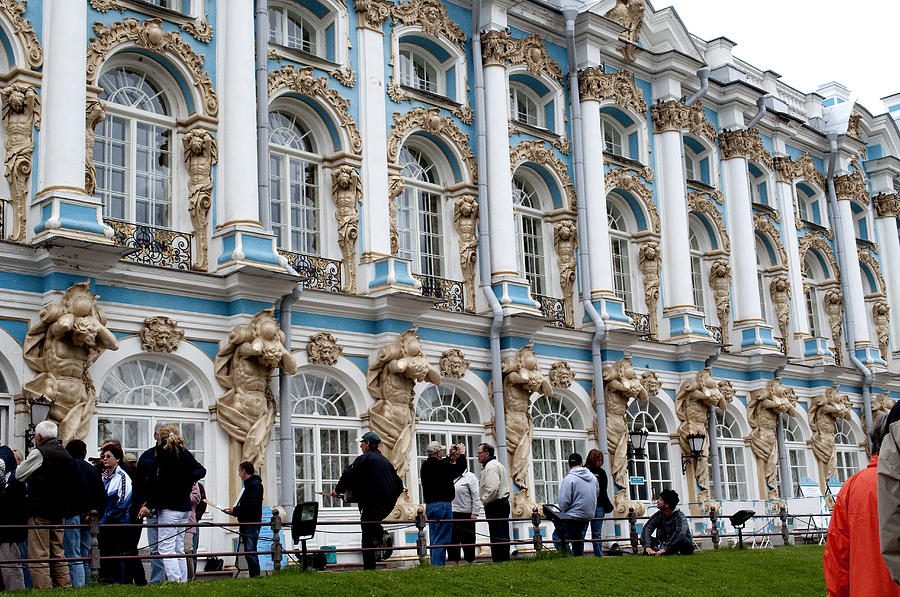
column 691, row 165
column 133, row 149
column 796, row 450
column 860, row 224
column 523, row 107
column 294, row 30
column 813, row 276
column 612, row 138
column 653, row 472
column 558, row 431
column 731, row 456
column 809, row 204
column 619, row 251
column 293, row 184
column 419, row 213
column 696, row 269
column 418, row 70
column 847, row 451
column 763, row 261
column 759, row 190
column 529, row 229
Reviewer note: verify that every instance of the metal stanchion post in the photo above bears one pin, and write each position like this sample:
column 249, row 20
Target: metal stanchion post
column 95, row 544
column 276, row 540
column 420, row 537
column 785, row 532
column 632, row 530
column 536, row 523
column 714, row 531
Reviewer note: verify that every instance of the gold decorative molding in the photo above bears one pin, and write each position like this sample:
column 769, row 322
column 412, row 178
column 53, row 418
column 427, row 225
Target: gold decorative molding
column 160, row 334
column 34, row 53
column 780, row 291
column 628, row 14
column 561, row 375
column 621, row 178
column 21, row 116
column 323, row 349
column 673, row 115
column 853, row 125
column 430, row 120
column 453, row 363
column 302, row 81
column 431, row 16
column 565, row 241
column 200, row 29
column 650, row 263
column 596, row 85
column 200, row 155
column 371, row 14
column 95, row 112
column 851, row 187
column 395, row 189
column 887, row 205
column 465, row 114
column 880, row 312
column 869, row 260
column 815, row 240
column 538, row 153
column 764, row 225
column 744, row 144
column 495, row 47
column 465, row 220
column 500, row 48
column 149, row 35
column 787, row 170
column 106, row 5
column 703, row 204
column 345, row 76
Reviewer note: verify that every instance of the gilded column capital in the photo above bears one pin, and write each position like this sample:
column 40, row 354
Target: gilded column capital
column 668, row 116
column 887, row 205
column 851, row 187
column 499, row 47
column 596, row 85
column 742, row 143
column 495, row 48
column 371, row 14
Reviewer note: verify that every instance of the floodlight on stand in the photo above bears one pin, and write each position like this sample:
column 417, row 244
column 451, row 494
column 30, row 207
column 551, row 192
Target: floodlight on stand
column 738, row 520
column 637, row 441
column 695, row 443
column 303, row 526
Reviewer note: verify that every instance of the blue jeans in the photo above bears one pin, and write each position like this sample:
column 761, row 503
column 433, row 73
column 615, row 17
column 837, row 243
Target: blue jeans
column 249, row 539
column 23, row 552
column 157, row 570
column 439, row 533
column 571, row 529
column 77, row 544
column 597, row 531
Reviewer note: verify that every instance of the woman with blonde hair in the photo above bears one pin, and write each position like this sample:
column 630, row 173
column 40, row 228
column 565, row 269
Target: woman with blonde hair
column 175, row 472
column 594, row 463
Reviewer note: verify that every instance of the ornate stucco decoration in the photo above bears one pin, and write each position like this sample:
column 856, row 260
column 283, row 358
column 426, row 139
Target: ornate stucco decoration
column 149, row 35
column 95, row 112
column 702, row 203
column 780, row 291
column 629, row 14
column 323, row 349
column 371, row 14
column 880, row 312
column 200, row 29
column 432, row 16
column 594, row 84
column 673, row 115
column 649, row 262
column 868, row 259
column 853, row 125
column 620, row 385
column 817, row 241
column 833, row 302
column 651, row 383
column 851, row 187
column 465, row 220
column 727, row 390
column 302, row 81
column 345, row 76
column 391, row 380
column 499, row 48
column 762, row 412
column 621, row 178
column 887, row 205
column 430, row 120
column 805, row 168
column 565, row 240
column 464, row 113
column 881, row 405
column 13, row 11
column 61, row 346
column 824, row 410
column 395, row 189
column 495, row 47
column 453, row 363
column 692, row 402
column 21, row 113
column 522, row 377
column 764, row 225
column 538, row 153
column 160, row 334
column 246, row 411
column 720, row 282
column 561, row 375
column 200, row 155
column 106, row 5
column 742, row 143
column 346, row 192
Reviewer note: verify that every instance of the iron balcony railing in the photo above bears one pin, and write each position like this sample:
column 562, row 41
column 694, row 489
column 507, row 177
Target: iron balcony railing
column 552, row 308
column 715, row 331
column 155, row 246
column 318, row 273
column 641, row 322
column 450, row 294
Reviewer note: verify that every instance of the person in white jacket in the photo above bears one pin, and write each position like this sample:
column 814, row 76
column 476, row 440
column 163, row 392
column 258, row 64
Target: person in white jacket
column 577, row 501
column 495, row 497
column 466, row 506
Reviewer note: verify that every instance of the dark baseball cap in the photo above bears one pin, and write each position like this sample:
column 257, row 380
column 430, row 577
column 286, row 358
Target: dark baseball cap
column 371, row 437
column 575, row 459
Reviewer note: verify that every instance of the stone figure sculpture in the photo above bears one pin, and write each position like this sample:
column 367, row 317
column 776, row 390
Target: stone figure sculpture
column 246, row 411
column 720, row 282
column 61, row 346
column 824, row 410
column 620, row 385
column 395, row 189
column 565, row 240
column 765, row 405
column 391, row 380
column 692, row 402
column 629, row 14
column 522, row 377
column 727, row 390
column 780, row 290
column 200, row 154
column 881, row 405
column 323, row 349
column 651, row 383
column 346, row 192
column 834, row 304
column 561, row 375
column 95, row 112
column 21, row 113
column 465, row 220
column 453, row 363
column 650, row 261
column 880, row 311
column 160, row 334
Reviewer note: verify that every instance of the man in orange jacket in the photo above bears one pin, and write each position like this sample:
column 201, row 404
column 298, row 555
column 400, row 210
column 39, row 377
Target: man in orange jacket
column 853, row 563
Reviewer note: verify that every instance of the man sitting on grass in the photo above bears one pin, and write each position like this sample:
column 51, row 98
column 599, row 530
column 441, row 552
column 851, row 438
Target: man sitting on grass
column 673, row 535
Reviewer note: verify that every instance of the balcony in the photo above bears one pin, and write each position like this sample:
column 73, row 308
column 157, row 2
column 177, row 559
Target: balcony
column 450, row 294
column 153, row 246
column 552, row 308
column 318, row 273
column 641, row 322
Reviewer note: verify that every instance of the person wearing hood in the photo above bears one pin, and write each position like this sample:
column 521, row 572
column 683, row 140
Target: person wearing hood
column 249, row 509
column 577, row 501
column 12, row 512
column 888, row 494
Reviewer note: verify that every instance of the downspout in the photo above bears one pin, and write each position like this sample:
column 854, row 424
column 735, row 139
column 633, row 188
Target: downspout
column 761, row 111
column 285, row 432
column 261, row 18
column 583, row 248
column 703, row 75
column 849, row 315
column 484, row 254
column 784, row 469
column 713, row 438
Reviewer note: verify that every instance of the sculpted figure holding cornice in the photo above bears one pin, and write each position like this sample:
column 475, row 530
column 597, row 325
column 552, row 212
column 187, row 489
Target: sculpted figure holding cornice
column 824, row 410
column 565, row 239
column 21, row 114
column 200, row 154
column 246, row 412
column 323, row 349
column 834, row 305
column 651, row 383
column 522, row 377
column 762, row 412
column 780, row 289
column 391, row 380
column 620, row 385
column 346, row 192
column 465, row 220
column 95, row 112
column 649, row 262
column 880, row 311
column 720, row 282
column 61, row 347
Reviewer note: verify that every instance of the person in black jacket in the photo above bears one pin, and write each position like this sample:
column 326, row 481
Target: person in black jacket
column 437, row 475
column 249, row 509
column 144, row 475
column 12, row 512
column 77, row 542
column 373, row 484
column 594, row 464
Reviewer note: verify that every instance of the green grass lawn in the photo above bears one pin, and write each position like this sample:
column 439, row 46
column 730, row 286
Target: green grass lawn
column 789, row 571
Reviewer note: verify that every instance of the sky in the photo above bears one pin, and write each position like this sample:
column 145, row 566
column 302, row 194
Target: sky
column 808, row 42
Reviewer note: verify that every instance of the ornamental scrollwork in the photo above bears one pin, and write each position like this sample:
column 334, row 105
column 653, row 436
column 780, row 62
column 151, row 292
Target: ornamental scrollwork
column 565, row 241
column 371, row 14
column 499, row 47
column 621, row 178
column 596, row 85
column 347, row 193
column 703, row 204
column 346, row 77
column 851, row 187
column 741, row 143
column 160, row 334
column 628, row 14
column 871, row 262
column 323, row 349
column 787, row 170
column 853, row 125
column 201, row 30
column 814, row 240
column 673, row 115
column 432, row 16
column 430, row 120
column 106, row 5
column 538, row 153
column 465, row 114
column 148, row 34
column 302, row 81
column 765, row 226
column 453, row 363
column 200, row 155
column 561, row 375
column 13, row 10
column 887, row 205
column 465, row 220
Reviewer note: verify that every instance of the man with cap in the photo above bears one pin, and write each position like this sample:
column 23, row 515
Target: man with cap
column 437, row 475
column 577, row 501
column 373, row 484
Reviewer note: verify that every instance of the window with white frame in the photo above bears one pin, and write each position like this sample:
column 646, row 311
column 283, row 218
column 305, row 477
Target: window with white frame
column 529, row 230
column 612, row 138
column 759, row 188
column 419, row 69
column 419, row 213
column 731, row 456
column 813, row 277
column 6, row 402
column 796, row 449
column 698, row 273
column 691, row 165
column 696, row 161
column 524, row 106
column 619, row 248
column 133, row 148
column 847, row 451
column 558, row 431
column 296, row 28
column 809, row 204
column 860, row 221
column 763, row 262
column 294, row 187
column 653, row 471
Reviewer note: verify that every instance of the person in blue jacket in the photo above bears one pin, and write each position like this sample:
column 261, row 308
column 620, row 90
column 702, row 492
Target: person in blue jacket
column 118, row 503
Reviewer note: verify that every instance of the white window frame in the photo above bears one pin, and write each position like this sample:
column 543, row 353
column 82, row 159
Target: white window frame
column 608, row 127
column 699, row 277
column 847, row 451
column 732, row 456
column 554, row 97
column 297, row 12
column 659, row 458
column 796, row 448
column 519, row 90
column 620, row 250
column 533, row 219
column 813, row 295
column 456, row 60
column 416, row 194
column 567, row 435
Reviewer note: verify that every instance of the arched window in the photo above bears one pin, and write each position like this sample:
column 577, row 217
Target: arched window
column 759, row 190
column 139, row 393
column 813, row 276
column 698, row 269
column 529, row 229
column 622, row 132
column 294, row 188
column 133, row 148
column 325, row 426
column 809, row 205
column 419, row 70
column 558, row 431
column 860, row 221
column 534, row 100
column 653, row 470
column 796, row 450
column 619, row 249
column 696, row 161
column 763, row 263
column 731, row 456
column 847, row 451
column 419, row 213
column 612, row 137
column 523, row 105
column 295, row 28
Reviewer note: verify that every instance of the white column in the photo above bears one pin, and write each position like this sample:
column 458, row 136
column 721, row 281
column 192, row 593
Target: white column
column 855, row 299
column 890, row 247
column 799, row 316
column 499, row 177
column 676, row 266
column 745, row 286
column 595, row 201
